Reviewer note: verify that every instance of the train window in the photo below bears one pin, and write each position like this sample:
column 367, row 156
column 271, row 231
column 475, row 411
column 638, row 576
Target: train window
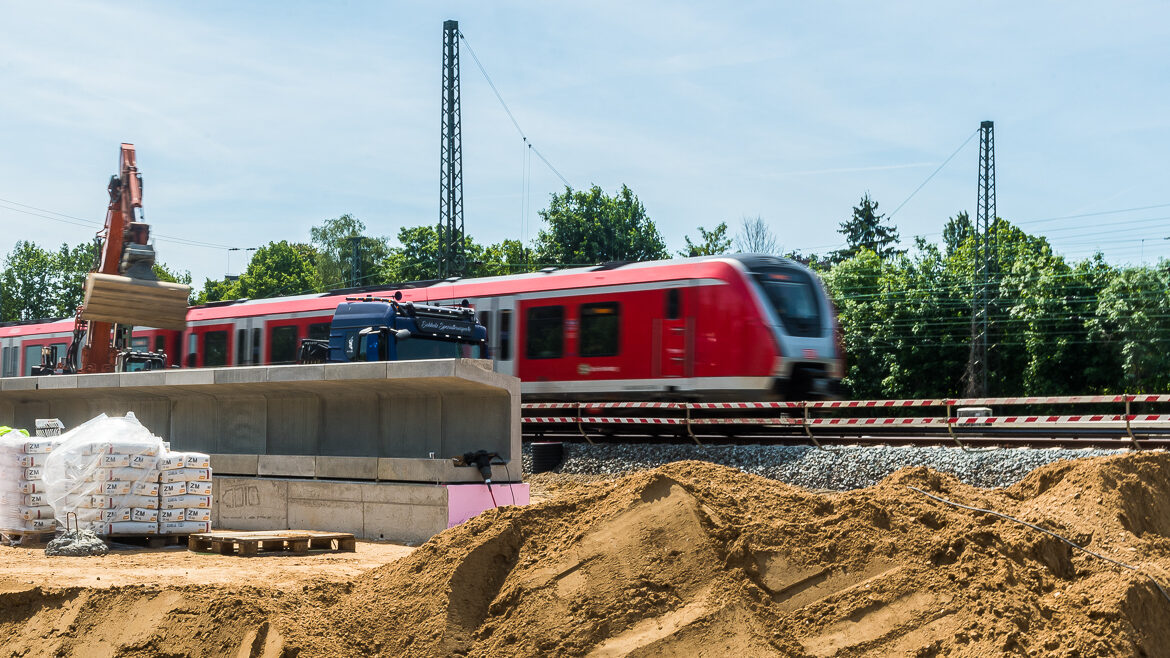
column 599, row 329
column 505, row 335
column 546, row 332
column 255, row 347
column 319, row 331
column 673, row 304
column 140, row 344
column 160, row 343
column 486, row 352
column 32, row 358
column 215, row 349
column 284, row 344
column 241, row 337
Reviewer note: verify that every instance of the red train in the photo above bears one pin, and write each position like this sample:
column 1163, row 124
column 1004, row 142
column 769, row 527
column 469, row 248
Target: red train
column 719, row 327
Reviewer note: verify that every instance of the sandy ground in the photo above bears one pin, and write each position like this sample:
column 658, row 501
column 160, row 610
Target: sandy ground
column 25, row 567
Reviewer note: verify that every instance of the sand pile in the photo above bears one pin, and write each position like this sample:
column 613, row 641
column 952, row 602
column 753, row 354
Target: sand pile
column 695, row 559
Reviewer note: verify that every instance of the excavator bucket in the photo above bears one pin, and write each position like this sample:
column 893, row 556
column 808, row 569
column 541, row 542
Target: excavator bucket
column 140, row 302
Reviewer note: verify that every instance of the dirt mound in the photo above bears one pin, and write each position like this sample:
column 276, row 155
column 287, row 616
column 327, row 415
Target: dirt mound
column 696, row 559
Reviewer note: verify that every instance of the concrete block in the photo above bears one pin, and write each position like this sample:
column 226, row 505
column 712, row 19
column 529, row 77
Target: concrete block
column 142, row 379
column 347, row 468
column 442, row 470
column 98, row 380
column 296, row 373
column 312, row 489
column 247, row 375
column 251, row 503
column 407, row 523
column 61, row 381
column 18, row 384
column 368, row 370
column 326, row 514
column 434, row 495
column 303, row 466
column 228, row 464
column 186, row 377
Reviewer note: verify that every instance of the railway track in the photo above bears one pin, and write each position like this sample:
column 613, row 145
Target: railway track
column 1113, row 421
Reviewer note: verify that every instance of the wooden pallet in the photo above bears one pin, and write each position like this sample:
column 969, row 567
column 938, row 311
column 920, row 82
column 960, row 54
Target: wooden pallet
column 27, row 537
column 269, row 542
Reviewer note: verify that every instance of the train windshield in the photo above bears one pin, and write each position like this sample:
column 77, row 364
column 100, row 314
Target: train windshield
column 794, row 299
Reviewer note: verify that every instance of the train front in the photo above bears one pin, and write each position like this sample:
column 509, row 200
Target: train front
column 803, row 323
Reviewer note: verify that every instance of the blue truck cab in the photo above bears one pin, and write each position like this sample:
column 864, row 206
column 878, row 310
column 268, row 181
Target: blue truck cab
column 379, row 329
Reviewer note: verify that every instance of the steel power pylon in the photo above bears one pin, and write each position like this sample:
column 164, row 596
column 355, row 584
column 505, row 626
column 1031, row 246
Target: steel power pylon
column 452, row 260
column 986, row 264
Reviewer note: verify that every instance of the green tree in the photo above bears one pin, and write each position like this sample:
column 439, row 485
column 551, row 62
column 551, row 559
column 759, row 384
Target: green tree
column 712, row 242
column 217, row 290
column 29, row 284
column 72, row 265
column 1131, row 317
column 589, row 226
column 278, row 268
column 956, row 231
column 865, row 228
column 335, row 240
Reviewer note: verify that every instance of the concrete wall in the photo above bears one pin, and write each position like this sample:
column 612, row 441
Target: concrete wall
column 392, row 410
column 404, row 512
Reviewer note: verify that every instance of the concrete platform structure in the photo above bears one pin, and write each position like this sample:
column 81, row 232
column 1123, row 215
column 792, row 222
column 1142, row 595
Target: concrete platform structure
column 354, row 447
column 404, row 409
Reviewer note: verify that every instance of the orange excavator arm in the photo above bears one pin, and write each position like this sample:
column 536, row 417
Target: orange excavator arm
column 122, row 291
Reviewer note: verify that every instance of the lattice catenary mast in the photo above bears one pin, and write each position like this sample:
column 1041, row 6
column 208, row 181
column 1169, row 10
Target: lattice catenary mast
column 452, row 260
column 986, row 264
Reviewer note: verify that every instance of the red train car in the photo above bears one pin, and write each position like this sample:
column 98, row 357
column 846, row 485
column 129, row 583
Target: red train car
column 720, row 327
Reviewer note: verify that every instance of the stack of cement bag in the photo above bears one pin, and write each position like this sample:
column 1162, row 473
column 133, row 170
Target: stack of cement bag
column 184, row 493
column 103, row 476
column 24, row 506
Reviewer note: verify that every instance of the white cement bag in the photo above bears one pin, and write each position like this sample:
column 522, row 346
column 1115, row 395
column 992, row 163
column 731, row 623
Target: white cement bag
column 143, row 514
column 127, row 445
column 128, row 528
column 172, row 515
column 35, row 500
column 40, row 446
column 196, row 460
column 146, row 488
column 144, row 461
column 138, row 500
column 175, row 502
column 115, row 488
column 199, row 488
column 32, row 487
column 183, row 527
column 115, row 460
column 186, row 475
column 172, row 489
column 31, row 460
column 34, row 473
column 197, row 515
column 40, row 524
column 41, row 512
column 170, row 462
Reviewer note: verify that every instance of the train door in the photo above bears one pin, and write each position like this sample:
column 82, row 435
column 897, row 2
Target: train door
column 9, row 358
column 502, row 336
column 249, row 341
column 674, row 335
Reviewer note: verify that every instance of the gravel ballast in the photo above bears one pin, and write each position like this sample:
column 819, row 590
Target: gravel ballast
column 837, row 468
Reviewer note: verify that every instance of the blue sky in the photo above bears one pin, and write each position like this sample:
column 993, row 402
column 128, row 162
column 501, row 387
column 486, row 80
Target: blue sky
column 256, row 121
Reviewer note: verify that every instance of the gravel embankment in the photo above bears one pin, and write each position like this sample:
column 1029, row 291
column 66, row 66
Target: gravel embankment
column 839, row 468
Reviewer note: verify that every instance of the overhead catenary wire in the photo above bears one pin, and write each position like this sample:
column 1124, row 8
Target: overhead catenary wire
column 89, row 223
column 511, row 116
column 932, row 174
